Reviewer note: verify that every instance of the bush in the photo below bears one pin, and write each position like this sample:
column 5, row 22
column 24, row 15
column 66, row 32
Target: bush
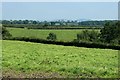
column 5, row 34
column 86, row 35
column 77, row 44
column 52, row 37
column 111, row 32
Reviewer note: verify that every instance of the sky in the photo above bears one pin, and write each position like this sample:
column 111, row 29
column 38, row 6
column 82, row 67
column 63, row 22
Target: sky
column 60, row 10
column 60, row 0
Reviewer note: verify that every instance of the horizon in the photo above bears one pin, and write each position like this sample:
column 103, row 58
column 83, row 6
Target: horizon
column 80, row 20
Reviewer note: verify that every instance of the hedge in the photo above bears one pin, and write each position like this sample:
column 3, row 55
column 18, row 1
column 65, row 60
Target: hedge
column 73, row 43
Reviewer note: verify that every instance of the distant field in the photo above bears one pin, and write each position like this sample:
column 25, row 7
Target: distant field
column 62, row 35
column 25, row 59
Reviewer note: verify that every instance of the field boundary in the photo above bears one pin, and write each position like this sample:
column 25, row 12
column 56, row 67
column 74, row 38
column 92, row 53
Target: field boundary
column 72, row 43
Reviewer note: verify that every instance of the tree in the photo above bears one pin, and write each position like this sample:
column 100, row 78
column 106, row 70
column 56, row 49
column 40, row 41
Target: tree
column 111, row 32
column 84, row 35
column 25, row 21
column 93, row 36
column 52, row 37
column 5, row 33
column 88, row 36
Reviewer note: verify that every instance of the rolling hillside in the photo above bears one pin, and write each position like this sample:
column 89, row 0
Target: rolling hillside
column 26, row 59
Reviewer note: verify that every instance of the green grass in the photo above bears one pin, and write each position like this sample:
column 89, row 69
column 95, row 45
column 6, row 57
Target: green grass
column 62, row 35
column 67, row 61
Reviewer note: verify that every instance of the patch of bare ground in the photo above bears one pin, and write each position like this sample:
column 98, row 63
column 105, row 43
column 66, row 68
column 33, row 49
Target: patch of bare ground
column 14, row 74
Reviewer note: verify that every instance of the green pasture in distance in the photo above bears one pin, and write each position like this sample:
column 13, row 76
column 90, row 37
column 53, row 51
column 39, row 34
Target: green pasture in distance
column 62, row 35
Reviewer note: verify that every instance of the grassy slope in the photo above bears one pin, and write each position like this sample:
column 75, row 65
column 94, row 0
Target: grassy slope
column 26, row 57
column 62, row 35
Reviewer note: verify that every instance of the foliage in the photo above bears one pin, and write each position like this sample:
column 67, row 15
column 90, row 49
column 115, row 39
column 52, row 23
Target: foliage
column 5, row 33
column 88, row 36
column 52, row 37
column 111, row 32
column 62, row 36
column 0, row 32
column 73, row 43
column 44, row 24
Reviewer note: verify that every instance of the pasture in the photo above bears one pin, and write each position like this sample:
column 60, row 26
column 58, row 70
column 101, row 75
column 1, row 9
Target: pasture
column 26, row 59
column 62, row 35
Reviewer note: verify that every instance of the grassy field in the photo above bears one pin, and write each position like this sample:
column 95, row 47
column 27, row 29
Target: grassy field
column 25, row 59
column 62, row 35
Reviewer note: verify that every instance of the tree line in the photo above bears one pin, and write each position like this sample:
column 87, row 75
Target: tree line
column 110, row 34
column 50, row 24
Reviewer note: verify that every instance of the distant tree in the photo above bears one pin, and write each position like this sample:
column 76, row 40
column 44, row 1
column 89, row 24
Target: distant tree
column 25, row 21
column 5, row 33
column 51, row 37
column 111, row 32
column 88, row 36
column 34, row 22
column 94, row 36
column 52, row 23
column 84, row 35
column 6, row 22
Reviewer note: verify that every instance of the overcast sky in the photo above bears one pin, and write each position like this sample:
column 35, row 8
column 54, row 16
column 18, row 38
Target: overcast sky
column 60, row 10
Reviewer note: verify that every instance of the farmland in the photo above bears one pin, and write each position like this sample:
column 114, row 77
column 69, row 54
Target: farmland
column 62, row 35
column 28, row 59
column 66, row 40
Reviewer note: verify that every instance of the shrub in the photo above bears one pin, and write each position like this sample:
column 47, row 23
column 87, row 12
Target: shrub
column 5, row 33
column 93, row 36
column 78, row 44
column 52, row 37
column 88, row 36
